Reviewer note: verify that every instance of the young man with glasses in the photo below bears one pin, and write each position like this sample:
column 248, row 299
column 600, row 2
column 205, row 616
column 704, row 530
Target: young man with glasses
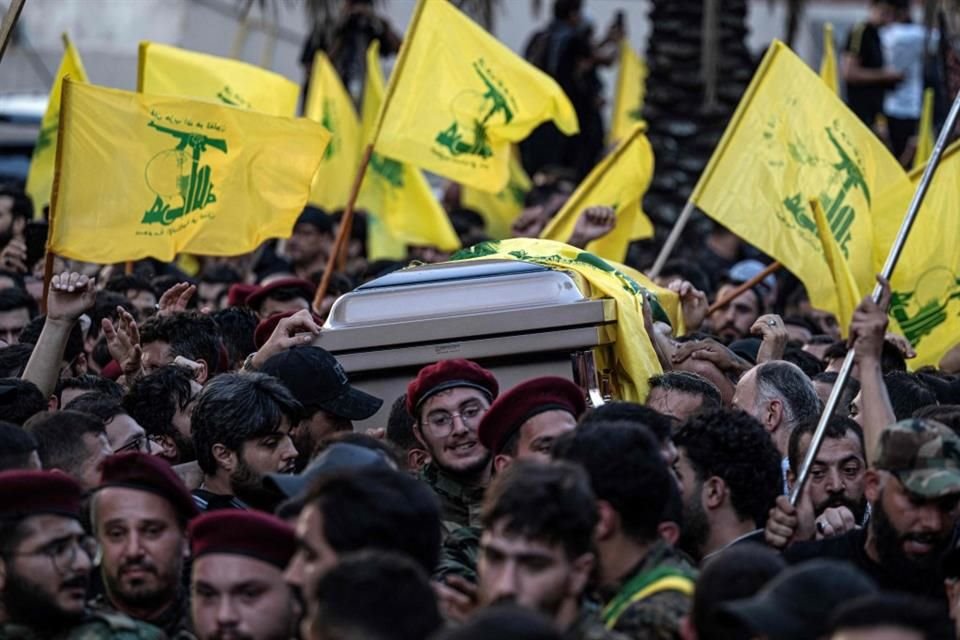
column 45, row 563
column 447, row 401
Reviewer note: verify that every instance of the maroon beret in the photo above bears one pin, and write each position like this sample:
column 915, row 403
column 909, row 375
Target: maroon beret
column 261, row 293
column 238, row 293
column 448, row 374
column 244, row 533
column 523, row 402
column 144, row 472
column 29, row 493
column 266, row 326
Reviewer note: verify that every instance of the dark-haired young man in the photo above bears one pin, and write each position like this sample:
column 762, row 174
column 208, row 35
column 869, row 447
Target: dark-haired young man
column 536, row 549
column 18, row 448
column 729, row 473
column 72, row 442
column 680, row 395
column 192, row 335
column 645, row 584
column 123, row 432
column 162, row 403
column 241, row 432
column 16, row 310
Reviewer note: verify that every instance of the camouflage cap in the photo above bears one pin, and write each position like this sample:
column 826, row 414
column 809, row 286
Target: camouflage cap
column 923, row 454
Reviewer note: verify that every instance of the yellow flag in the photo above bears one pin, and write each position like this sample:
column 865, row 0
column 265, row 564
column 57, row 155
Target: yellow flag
column 499, row 210
column 141, row 176
column 925, row 136
column 629, row 95
column 635, row 360
column 402, row 209
column 168, row 71
column 792, row 139
column 329, row 104
column 458, row 98
column 925, row 306
column 40, row 176
column 849, row 293
column 828, row 65
column 619, row 181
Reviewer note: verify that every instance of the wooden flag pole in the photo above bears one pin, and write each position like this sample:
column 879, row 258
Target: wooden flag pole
column 343, row 232
column 749, row 284
column 9, row 22
column 54, row 193
column 672, row 239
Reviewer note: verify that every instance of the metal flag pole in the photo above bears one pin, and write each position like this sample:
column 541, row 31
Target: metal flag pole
column 9, row 22
column 887, row 271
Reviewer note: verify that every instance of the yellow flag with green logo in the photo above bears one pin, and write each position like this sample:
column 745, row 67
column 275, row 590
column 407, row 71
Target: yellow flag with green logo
column 141, row 175
column 925, row 305
column 401, row 208
column 791, row 140
column 458, row 97
column 635, row 360
column 40, row 176
column 168, row 71
column 619, row 182
column 849, row 291
column 499, row 210
column 925, row 135
column 629, row 94
column 828, row 65
column 329, row 104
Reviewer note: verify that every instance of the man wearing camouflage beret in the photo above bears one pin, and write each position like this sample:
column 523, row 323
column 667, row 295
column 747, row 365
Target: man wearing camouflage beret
column 913, row 488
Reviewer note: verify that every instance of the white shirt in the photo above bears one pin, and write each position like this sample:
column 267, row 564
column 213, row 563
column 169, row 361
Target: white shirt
column 903, row 51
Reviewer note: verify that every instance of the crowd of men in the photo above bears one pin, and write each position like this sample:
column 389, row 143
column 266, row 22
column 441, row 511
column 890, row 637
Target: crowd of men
column 179, row 460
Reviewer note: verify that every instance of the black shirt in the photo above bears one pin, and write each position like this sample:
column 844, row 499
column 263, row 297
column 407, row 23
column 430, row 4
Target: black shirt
column 866, row 100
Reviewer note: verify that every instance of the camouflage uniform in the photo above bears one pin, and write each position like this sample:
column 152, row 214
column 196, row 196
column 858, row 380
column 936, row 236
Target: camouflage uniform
column 174, row 621
column 458, row 556
column 588, row 626
column 657, row 616
column 459, row 505
column 96, row 625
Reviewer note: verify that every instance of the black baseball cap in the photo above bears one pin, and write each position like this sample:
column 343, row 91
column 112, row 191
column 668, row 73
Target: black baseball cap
column 340, row 456
column 318, row 381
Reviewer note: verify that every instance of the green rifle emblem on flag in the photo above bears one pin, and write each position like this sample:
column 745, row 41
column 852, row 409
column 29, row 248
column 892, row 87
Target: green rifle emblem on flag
column 387, row 169
column 921, row 311
column 180, row 183
column 232, row 98
column 473, row 112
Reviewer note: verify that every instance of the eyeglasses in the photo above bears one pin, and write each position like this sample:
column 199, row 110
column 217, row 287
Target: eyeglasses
column 137, row 444
column 63, row 552
column 441, row 422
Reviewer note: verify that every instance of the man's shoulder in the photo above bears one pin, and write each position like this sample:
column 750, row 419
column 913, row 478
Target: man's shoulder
column 590, row 627
column 100, row 625
column 655, row 617
column 458, row 555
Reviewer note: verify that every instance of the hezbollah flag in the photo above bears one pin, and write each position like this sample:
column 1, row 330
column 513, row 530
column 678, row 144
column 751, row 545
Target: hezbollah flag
column 619, row 181
column 168, row 71
column 401, row 207
column 629, row 95
column 329, row 104
column 458, row 98
column 828, row 65
column 40, row 176
column 141, row 176
column 925, row 133
column 499, row 210
column 925, row 305
column 635, row 359
column 790, row 140
column 849, row 291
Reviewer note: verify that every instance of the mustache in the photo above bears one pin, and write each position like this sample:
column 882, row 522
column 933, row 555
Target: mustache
column 923, row 538
column 138, row 564
column 76, row 582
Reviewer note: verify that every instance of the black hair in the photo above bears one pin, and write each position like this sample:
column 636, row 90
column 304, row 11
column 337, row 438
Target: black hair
column 946, row 414
column 237, row 326
column 13, row 359
column 22, row 203
column 220, row 274
column 154, row 400
column 689, row 271
column 837, row 428
column 563, row 9
column 59, row 437
column 101, row 406
column 12, row 299
column 907, row 393
column 550, row 503
column 375, row 595
column 836, row 351
column 658, row 424
column 504, row 622
column 379, row 508
column 74, row 346
column 626, row 470
column 105, row 306
column 889, row 609
column 20, row 399
column 16, row 445
column 400, row 425
column 17, row 278
column 234, row 408
column 737, row 573
column 808, row 363
column 122, row 283
column 192, row 335
column 88, row 382
column 734, row 447
column 687, row 382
